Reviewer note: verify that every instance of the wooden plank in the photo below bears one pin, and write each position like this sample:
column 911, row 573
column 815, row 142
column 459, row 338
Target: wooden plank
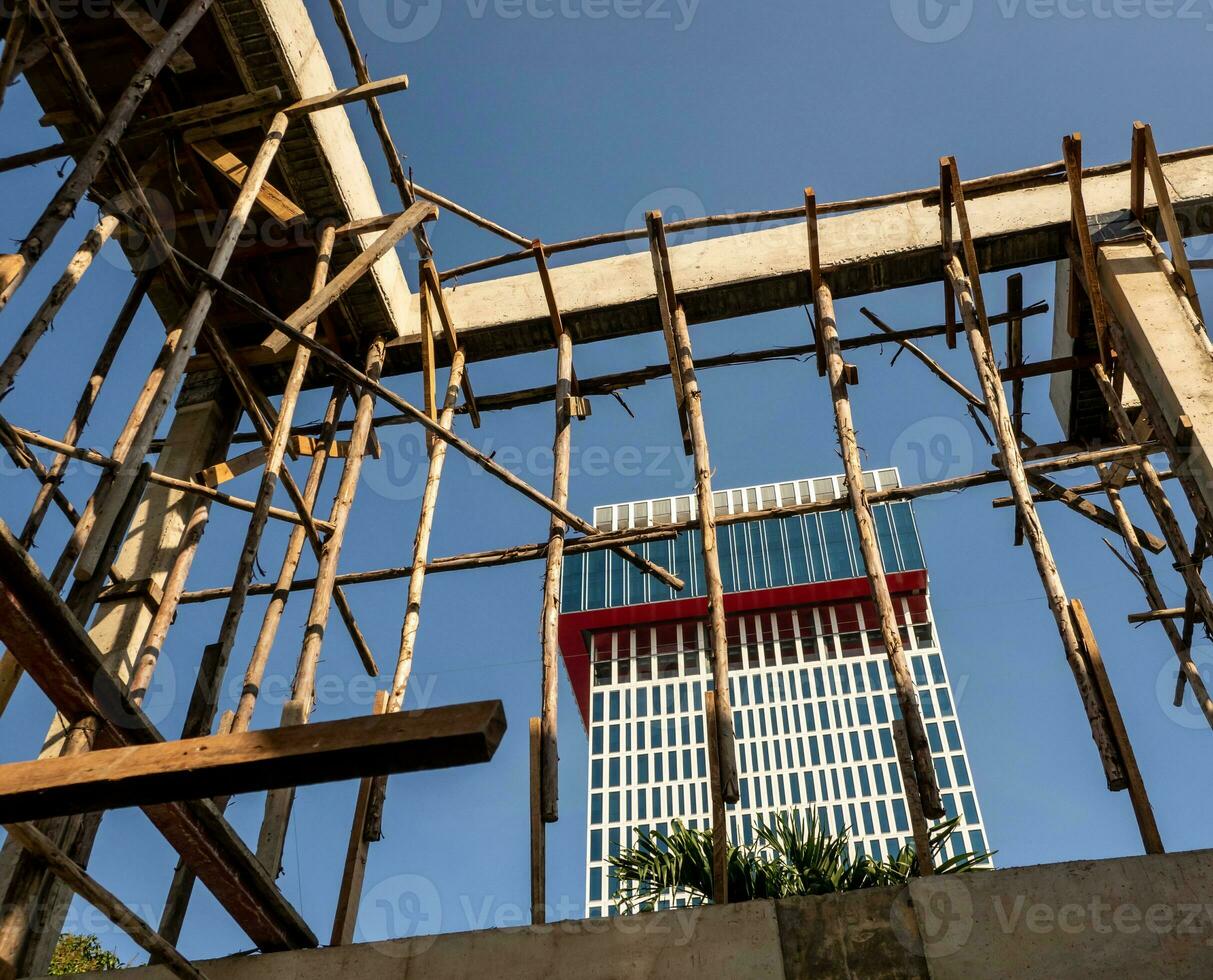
column 1136, row 785
column 1072, row 151
column 148, row 28
column 350, row 892
column 60, row 657
column 236, row 170
column 538, row 828
column 945, row 236
column 429, row 273
column 1137, row 173
column 1056, row 365
column 344, row 96
column 666, row 300
column 1166, row 212
column 810, row 210
column 229, row 469
column 248, row 762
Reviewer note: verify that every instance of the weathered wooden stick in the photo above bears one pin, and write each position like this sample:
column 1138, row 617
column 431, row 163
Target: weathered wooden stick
column 549, row 618
column 903, row 680
column 1149, row 584
column 678, row 341
column 75, row 877
column 1081, row 233
column 720, row 820
column 278, row 802
column 63, row 205
column 539, row 830
column 429, row 274
column 1013, row 467
column 456, row 563
column 1134, row 783
column 13, row 40
column 918, row 820
column 40, row 322
column 421, row 544
column 349, row 893
column 112, row 464
column 186, row 335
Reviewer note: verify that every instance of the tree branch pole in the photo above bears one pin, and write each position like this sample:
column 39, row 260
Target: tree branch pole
column 41, row 321
column 13, row 38
column 1012, row 466
column 1152, row 488
column 678, row 341
column 907, row 695
column 182, row 340
column 63, row 204
column 1149, row 584
column 278, row 802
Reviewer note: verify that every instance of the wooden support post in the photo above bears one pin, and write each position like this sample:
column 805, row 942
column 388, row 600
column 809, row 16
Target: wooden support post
column 1081, row 233
column 907, row 695
column 1143, row 142
column 549, row 620
column 421, row 543
column 946, row 180
column 538, row 828
column 810, row 210
column 429, row 273
column 1015, row 362
column 720, row 819
column 1182, row 644
column 63, row 205
column 679, row 341
column 429, row 381
column 38, row 325
column 277, row 804
column 1134, row 783
column 75, row 877
column 349, row 894
column 918, row 820
column 1011, row 462
column 182, row 340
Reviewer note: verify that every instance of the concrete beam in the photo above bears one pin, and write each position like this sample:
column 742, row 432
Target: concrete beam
column 754, row 272
column 1167, row 344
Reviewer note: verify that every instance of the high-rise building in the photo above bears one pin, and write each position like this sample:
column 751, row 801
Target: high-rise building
column 813, row 698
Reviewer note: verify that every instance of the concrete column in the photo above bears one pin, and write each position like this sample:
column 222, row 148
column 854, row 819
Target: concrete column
column 1170, row 348
column 200, row 434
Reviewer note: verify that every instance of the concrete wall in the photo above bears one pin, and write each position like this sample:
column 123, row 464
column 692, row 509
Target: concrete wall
column 1131, row 917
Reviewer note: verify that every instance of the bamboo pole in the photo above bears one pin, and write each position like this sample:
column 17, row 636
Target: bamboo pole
column 549, row 619
column 278, row 802
column 63, row 205
column 349, row 892
column 907, row 695
column 40, row 322
column 185, row 335
column 1149, row 584
column 1013, row 466
column 285, row 584
column 76, row 878
column 678, row 341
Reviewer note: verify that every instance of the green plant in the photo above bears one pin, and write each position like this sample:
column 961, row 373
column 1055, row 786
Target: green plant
column 81, row 954
column 791, row 856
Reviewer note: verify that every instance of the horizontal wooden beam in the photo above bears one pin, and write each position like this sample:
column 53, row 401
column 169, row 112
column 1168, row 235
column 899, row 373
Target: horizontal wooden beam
column 1077, row 362
column 52, row 646
column 247, row 762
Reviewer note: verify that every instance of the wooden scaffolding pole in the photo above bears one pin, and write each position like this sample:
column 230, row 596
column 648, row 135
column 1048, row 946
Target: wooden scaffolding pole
column 549, row 620
column 278, row 802
column 183, row 337
column 918, row 819
column 41, row 321
column 838, row 372
column 539, row 832
column 972, row 309
column 63, row 205
column 14, row 37
column 76, row 878
column 720, row 817
column 678, row 341
column 1181, row 643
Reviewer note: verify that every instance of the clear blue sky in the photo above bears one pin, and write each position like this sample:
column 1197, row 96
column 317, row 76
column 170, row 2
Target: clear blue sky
column 564, row 125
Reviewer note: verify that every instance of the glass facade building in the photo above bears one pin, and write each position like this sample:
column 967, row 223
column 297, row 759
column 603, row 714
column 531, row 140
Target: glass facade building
column 812, row 692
